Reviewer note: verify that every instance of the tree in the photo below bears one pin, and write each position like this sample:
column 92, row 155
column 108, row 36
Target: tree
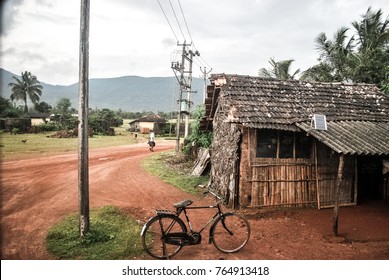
column 43, row 107
column 373, row 47
column 385, row 83
column 321, row 73
column 279, row 70
column 202, row 139
column 362, row 57
column 26, row 86
column 335, row 54
column 7, row 110
column 103, row 120
column 62, row 110
column 63, row 106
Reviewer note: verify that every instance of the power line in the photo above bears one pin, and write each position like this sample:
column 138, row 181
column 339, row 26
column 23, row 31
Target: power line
column 168, row 21
column 179, row 25
column 186, row 24
column 200, row 59
column 204, row 63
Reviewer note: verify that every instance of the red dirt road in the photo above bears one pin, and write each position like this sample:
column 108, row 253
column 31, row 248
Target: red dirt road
column 36, row 193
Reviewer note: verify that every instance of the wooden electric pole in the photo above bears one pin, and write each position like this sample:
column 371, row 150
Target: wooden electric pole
column 83, row 167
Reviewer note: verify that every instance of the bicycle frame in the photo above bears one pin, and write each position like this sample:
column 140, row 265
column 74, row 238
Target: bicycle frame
column 217, row 214
column 228, row 232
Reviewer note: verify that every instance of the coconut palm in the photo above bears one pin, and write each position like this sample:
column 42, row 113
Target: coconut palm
column 361, row 58
column 279, row 70
column 336, row 55
column 373, row 47
column 26, row 86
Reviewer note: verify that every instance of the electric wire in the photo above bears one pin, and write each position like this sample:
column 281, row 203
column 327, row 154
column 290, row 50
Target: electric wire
column 178, row 22
column 186, row 24
column 168, row 21
column 201, row 61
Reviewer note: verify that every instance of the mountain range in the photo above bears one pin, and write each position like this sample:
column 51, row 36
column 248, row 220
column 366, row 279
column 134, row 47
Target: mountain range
column 128, row 93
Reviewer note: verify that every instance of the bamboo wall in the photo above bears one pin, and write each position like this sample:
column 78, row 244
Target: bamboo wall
column 292, row 182
column 327, row 174
column 283, row 183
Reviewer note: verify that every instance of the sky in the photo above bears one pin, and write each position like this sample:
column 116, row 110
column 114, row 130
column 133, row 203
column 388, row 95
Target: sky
column 135, row 38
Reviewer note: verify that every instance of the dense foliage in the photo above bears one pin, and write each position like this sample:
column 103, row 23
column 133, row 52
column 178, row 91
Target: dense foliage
column 362, row 57
column 198, row 138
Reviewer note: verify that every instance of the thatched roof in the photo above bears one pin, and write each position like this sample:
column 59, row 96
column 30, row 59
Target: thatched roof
column 350, row 109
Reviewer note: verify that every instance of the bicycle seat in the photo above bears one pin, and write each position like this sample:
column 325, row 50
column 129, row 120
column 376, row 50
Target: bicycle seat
column 183, row 203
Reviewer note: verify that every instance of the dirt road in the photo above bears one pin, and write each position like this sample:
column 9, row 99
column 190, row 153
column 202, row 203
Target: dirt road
column 36, row 193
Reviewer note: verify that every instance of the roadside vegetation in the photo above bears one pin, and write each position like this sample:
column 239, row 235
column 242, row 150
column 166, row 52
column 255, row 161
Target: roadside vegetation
column 113, row 236
column 175, row 170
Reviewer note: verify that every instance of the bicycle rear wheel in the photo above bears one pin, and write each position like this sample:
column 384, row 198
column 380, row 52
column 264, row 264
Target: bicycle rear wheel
column 153, row 236
column 230, row 233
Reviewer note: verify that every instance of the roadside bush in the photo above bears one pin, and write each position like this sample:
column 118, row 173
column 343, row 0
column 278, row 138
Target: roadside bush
column 50, row 126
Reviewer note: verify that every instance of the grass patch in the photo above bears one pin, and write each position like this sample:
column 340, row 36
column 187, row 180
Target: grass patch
column 113, row 236
column 175, row 170
column 21, row 146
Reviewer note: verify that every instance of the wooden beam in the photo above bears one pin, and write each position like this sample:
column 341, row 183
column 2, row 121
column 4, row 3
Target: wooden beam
column 335, row 218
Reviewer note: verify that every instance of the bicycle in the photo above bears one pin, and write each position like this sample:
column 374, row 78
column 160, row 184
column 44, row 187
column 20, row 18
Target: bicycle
column 165, row 234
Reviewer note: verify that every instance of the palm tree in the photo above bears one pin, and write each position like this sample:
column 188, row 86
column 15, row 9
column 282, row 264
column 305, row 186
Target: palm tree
column 279, row 70
column 362, row 58
column 372, row 32
column 27, row 85
column 373, row 47
column 320, row 73
column 335, row 55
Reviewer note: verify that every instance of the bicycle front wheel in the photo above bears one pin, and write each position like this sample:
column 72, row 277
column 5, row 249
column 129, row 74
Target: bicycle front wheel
column 230, row 232
column 153, row 240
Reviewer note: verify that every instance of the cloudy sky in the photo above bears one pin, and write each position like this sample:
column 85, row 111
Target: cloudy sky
column 134, row 37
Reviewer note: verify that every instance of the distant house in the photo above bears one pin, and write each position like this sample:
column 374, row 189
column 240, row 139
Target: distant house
column 279, row 143
column 38, row 118
column 147, row 123
column 27, row 123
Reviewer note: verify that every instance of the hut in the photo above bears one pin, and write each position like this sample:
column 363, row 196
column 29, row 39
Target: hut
column 280, row 143
column 38, row 118
column 147, row 123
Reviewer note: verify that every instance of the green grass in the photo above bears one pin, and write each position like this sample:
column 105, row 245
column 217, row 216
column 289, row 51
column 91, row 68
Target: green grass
column 113, row 236
column 13, row 147
column 174, row 171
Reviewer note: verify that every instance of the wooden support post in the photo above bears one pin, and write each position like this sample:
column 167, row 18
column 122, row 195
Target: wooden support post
column 335, row 218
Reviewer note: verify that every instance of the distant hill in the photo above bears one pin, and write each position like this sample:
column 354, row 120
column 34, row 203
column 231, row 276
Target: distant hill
column 129, row 93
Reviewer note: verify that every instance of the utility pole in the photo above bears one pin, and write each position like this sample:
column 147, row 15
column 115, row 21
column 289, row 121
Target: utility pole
column 205, row 74
column 183, row 104
column 83, row 167
column 181, row 81
column 189, row 91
